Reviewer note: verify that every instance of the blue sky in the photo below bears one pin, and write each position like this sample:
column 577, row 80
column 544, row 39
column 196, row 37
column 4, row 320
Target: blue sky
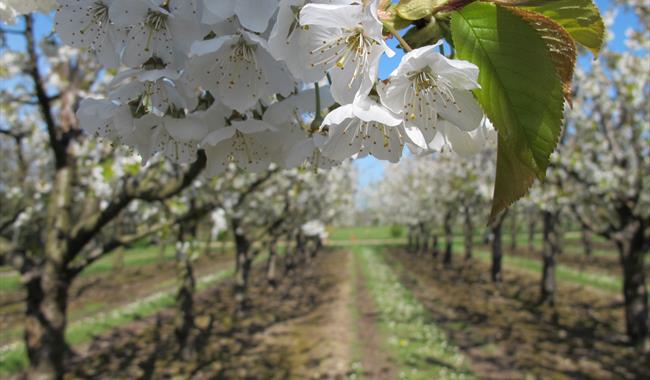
column 369, row 168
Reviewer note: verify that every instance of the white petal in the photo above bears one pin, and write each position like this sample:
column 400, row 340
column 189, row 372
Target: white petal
column 128, row 12
column 464, row 143
column 369, row 110
column 218, row 136
column 415, row 136
column 255, row 14
column 331, row 15
column 217, row 10
column 187, row 129
column 466, row 114
column 339, row 115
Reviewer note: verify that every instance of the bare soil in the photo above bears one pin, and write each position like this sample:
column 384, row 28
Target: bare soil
column 506, row 335
column 300, row 330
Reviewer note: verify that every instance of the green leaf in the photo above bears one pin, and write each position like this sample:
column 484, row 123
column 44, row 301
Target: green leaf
column 559, row 44
column 520, row 92
column 581, row 18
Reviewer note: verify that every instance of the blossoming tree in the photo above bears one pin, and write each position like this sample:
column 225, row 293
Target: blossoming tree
column 295, row 83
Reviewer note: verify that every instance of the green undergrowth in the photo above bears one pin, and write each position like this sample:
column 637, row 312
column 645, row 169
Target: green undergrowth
column 419, row 346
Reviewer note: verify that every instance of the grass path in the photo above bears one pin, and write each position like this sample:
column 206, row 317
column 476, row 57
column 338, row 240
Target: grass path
column 420, row 348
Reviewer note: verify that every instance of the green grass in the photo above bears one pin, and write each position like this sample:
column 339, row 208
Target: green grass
column 420, row 347
column 133, row 257
column 364, row 233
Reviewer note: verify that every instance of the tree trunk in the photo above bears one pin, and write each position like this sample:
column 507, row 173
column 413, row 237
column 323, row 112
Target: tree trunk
column 632, row 256
column 436, row 247
column 425, row 233
column 409, row 246
column 185, row 304
column 45, row 319
column 513, row 231
column 497, row 247
column 449, row 239
column 242, row 271
column 271, row 264
column 187, row 287
column 416, row 240
column 587, row 243
column 531, row 233
column 469, row 234
column 550, row 250
column 45, row 323
column 318, row 245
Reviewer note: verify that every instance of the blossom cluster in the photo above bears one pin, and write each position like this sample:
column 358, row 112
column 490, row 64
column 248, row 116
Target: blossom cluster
column 254, row 82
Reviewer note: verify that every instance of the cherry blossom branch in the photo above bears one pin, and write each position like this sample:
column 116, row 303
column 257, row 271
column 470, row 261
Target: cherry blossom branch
column 133, row 189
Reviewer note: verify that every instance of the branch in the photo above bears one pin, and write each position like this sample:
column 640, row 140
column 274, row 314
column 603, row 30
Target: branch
column 9, row 221
column 84, row 232
column 11, row 255
column 121, row 241
column 44, row 101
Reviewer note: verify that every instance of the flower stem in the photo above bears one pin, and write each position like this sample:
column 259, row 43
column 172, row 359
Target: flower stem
column 396, row 34
column 318, row 119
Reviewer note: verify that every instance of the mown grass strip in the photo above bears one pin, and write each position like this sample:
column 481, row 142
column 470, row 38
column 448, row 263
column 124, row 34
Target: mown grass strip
column 133, row 257
column 421, row 348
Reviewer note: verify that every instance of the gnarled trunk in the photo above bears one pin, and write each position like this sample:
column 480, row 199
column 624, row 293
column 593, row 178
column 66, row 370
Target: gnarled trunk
column 47, row 292
column 632, row 256
column 549, row 252
column 184, row 323
column 243, row 262
column 45, row 323
column 185, row 304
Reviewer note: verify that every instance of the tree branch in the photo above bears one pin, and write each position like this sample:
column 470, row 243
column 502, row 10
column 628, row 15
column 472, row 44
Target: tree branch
column 133, row 189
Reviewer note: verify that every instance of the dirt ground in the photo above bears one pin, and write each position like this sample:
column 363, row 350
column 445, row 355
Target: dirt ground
column 321, row 322
column 507, row 336
column 303, row 329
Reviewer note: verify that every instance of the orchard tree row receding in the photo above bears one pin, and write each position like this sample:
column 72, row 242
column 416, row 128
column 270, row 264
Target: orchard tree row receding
column 217, row 97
